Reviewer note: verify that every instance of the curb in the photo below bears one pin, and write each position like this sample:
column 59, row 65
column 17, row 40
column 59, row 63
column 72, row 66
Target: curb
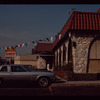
column 75, row 83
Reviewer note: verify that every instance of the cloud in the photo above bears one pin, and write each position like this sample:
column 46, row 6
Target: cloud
column 10, row 36
column 5, row 35
column 10, row 39
column 15, row 37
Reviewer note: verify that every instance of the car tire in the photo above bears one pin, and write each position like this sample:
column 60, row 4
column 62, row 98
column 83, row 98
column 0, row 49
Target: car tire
column 43, row 82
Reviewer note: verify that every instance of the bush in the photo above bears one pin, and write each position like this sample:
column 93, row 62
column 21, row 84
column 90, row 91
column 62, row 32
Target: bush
column 67, row 67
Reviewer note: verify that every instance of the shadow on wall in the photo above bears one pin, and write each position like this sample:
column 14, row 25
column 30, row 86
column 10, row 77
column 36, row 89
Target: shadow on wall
column 98, row 76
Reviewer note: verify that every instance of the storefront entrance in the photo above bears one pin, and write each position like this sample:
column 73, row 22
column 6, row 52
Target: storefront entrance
column 94, row 56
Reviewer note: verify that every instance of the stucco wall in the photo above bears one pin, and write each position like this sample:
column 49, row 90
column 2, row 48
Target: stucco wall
column 33, row 63
column 26, row 59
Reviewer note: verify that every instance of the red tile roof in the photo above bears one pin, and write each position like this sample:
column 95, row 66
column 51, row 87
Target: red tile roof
column 43, row 47
column 86, row 21
column 81, row 21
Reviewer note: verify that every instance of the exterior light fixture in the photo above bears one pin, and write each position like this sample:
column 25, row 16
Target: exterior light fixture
column 70, row 35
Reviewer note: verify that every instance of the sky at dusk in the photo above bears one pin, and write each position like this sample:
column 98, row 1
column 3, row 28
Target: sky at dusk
column 25, row 23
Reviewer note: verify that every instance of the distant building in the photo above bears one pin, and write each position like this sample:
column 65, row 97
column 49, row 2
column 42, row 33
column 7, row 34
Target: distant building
column 40, row 58
column 45, row 55
column 2, row 61
column 26, row 59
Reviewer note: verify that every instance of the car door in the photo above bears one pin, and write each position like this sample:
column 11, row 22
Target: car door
column 4, row 73
column 20, row 75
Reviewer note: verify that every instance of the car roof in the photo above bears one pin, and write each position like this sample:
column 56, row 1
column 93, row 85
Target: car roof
column 12, row 65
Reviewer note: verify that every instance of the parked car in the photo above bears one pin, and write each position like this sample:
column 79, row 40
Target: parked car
column 22, row 73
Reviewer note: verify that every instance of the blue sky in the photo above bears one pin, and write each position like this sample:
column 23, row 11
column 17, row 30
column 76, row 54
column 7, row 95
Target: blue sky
column 25, row 23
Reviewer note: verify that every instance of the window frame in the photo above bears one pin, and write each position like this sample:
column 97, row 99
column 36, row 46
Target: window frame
column 18, row 70
column 3, row 67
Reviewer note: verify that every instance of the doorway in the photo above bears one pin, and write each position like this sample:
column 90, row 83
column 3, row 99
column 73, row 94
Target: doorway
column 94, row 56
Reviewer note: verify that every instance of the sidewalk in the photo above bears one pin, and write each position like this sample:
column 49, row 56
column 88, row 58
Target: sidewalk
column 64, row 83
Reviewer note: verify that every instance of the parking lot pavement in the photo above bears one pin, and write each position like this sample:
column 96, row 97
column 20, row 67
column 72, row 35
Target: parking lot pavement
column 61, row 87
column 75, row 88
column 24, row 92
column 66, row 83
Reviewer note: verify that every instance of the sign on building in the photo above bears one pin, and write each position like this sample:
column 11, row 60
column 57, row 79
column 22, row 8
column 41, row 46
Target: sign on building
column 10, row 52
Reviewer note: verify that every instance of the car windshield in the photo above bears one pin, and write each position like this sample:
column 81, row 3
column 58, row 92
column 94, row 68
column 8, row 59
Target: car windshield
column 0, row 67
column 29, row 67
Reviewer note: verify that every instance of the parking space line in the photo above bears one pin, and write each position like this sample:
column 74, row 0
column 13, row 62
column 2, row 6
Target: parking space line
column 50, row 89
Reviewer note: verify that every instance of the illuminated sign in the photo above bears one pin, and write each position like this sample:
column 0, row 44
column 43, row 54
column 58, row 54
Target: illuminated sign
column 10, row 52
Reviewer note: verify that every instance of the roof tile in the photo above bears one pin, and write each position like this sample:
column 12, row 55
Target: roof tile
column 43, row 47
column 81, row 21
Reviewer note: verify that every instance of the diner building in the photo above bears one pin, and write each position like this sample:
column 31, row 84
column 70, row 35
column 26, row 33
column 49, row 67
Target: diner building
column 77, row 46
column 78, row 43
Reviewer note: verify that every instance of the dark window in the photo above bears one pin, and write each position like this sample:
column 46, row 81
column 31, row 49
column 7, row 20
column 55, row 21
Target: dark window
column 29, row 67
column 57, row 58
column 60, row 56
column 17, row 69
column 3, row 69
column 70, row 51
column 64, row 53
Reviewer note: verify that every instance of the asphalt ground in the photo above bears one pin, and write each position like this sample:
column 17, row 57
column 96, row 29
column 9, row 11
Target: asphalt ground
column 75, row 88
column 66, row 83
column 24, row 92
column 61, row 87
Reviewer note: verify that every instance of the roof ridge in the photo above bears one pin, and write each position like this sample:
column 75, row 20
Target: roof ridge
column 44, row 43
column 73, row 23
column 86, row 12
column 68, row 21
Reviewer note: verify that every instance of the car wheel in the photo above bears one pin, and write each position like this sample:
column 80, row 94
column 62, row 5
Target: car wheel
column 43, row 82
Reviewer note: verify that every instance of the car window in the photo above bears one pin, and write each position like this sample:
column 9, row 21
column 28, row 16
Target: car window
column 29, row 67
column 3, row 69
column 17, row 69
